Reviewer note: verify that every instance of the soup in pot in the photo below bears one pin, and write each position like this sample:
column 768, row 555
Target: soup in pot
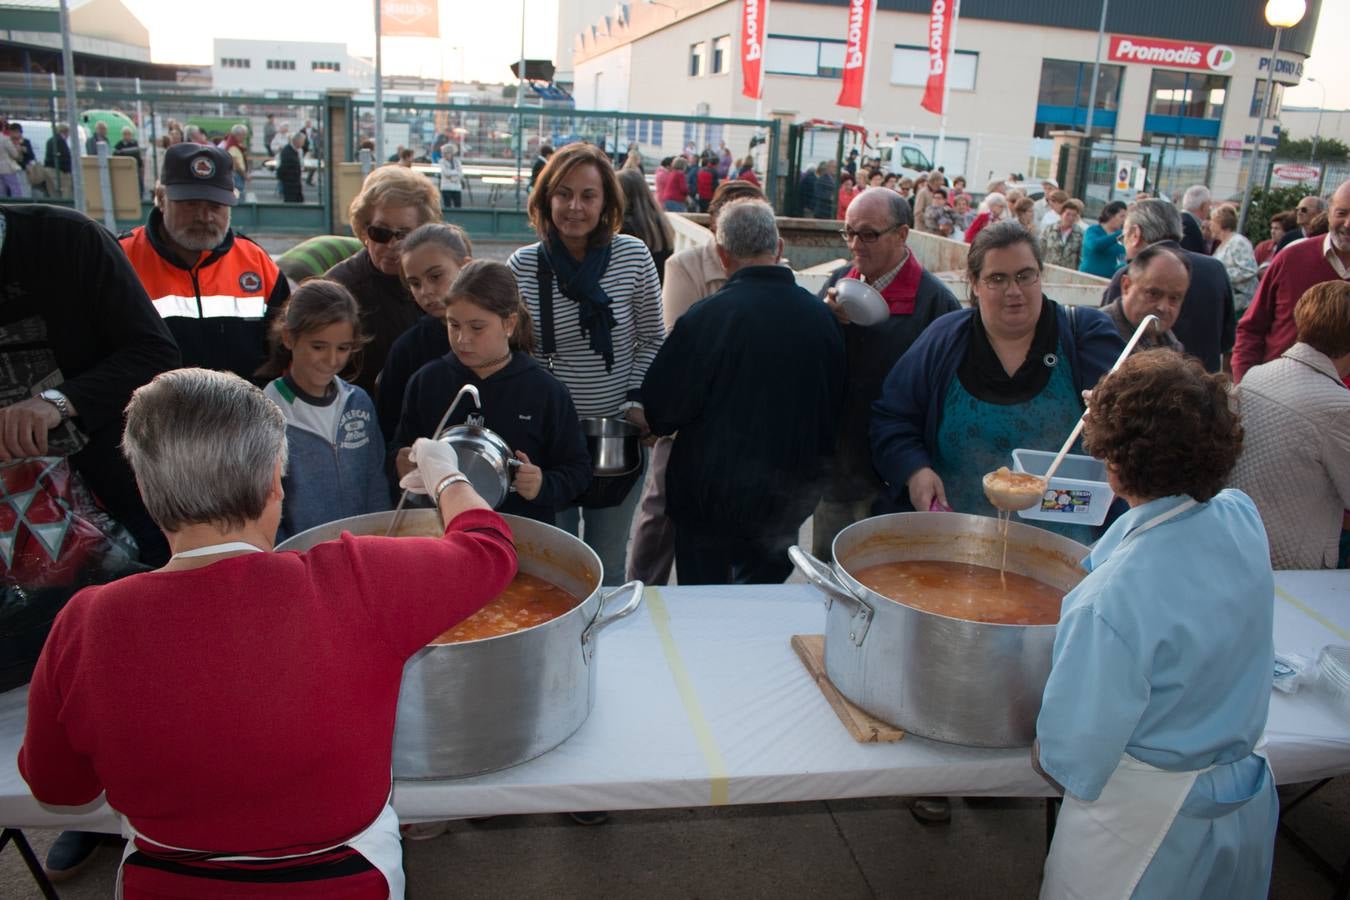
column 963, row 591
column 527, row 601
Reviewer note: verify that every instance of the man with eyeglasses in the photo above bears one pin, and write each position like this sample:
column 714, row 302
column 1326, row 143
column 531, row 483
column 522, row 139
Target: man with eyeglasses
column 1304, row 213
column 215, row 289
column 876, row 228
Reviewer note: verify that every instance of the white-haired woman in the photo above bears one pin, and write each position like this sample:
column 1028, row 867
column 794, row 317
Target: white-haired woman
column 237, row 705
column 993, row 209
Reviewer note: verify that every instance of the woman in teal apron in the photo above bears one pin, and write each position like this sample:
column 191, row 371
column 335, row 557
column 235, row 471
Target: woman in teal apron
column 1152, row 717
column 980, row 382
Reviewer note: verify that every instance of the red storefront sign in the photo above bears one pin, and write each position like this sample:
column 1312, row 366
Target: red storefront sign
column 855, row 53
column 940, row 21
column 1176, row 54
column 753, row 14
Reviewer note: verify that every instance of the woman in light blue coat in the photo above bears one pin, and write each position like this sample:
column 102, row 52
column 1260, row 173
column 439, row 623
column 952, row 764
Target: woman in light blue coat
column 1152, row 717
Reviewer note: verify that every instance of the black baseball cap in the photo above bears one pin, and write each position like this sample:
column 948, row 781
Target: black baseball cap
column 199, row 172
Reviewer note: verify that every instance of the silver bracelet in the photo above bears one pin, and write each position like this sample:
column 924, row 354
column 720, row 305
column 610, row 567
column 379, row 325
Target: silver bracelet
column 452, row 478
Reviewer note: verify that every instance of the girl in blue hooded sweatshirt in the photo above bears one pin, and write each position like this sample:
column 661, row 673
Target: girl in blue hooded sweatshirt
column 336, row 451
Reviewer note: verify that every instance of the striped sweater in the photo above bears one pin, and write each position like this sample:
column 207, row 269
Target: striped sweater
column 632, row 285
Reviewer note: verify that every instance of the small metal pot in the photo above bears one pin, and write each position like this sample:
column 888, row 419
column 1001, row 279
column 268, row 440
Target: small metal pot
column 485, row 459
column 954, row 680
column 479, row 706
column 615, row 445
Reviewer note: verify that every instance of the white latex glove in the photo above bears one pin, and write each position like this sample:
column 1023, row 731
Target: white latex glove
column 434, row 460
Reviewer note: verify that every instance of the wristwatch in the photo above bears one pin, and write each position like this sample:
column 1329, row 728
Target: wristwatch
column 57, row 399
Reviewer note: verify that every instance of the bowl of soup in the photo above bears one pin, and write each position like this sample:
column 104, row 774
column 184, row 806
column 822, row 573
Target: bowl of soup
column 926, row 628
column 517, row 678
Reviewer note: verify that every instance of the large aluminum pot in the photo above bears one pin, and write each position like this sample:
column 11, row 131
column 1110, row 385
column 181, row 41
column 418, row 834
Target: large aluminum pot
column 475, row 707
column 952, row 680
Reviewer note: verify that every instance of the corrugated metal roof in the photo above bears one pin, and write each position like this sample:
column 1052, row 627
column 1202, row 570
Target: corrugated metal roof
column 1238, row 22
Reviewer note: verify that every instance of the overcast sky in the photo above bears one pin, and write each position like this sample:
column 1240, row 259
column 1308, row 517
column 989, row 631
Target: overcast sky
column 481, row 39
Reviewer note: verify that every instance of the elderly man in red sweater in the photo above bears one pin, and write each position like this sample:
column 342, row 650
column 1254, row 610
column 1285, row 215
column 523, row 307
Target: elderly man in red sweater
column 1267, row 330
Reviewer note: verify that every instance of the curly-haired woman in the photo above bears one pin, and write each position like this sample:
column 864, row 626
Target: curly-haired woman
column 1160, row 683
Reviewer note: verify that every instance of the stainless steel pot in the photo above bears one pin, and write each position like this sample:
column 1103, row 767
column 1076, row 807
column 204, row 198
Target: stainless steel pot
column 615, row 445
column 475, row 707
column 484, row 459
column 953, row 680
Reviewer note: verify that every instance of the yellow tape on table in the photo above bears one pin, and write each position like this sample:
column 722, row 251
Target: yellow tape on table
column 1313, row 614
column 717, row 767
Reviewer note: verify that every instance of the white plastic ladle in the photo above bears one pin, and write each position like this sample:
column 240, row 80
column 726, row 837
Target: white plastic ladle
column 1010, row 500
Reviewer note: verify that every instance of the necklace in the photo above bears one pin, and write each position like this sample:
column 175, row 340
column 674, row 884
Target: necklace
column 493, row 363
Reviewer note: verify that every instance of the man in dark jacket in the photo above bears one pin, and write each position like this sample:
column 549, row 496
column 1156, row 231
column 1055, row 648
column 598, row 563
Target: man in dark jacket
column 290, row 169
column 1195, row 207
column 751, row 378
column 77, row 336
column 827, row 191
column 1207, row 324
column 806, row 193
column 56, row 160
column 876, row 228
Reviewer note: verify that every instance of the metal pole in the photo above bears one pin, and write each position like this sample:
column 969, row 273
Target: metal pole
column 520, row 106
column 1096, row 70
column 1317, row 134
column 72, row 113
column 379, row 90
column 1260, row 126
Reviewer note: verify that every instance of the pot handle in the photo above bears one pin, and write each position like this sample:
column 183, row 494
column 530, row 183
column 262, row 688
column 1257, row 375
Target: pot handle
column 602, row 618
column 822, row 577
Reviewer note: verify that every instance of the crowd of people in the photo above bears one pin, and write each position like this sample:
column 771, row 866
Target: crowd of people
column 259, row 408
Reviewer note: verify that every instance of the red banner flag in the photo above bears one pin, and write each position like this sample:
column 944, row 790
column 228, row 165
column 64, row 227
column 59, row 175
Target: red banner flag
column 410, row 18
column 940, row 22
column 753, row 15
column 855, row 53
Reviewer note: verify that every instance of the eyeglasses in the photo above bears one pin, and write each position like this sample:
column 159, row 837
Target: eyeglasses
column 999, row 281
column 867, row 237
column 381, row 235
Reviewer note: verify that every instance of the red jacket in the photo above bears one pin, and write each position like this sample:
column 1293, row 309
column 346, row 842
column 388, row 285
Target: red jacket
column 673, row 187
column 1267, row 329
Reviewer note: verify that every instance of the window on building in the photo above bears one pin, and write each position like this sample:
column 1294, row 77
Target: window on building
column 814, row 58
column 235, row 62
column 909, row 67
column 696, row 60
column 1066, row 88
column 721, row 54
column 323, row 66
column 1276, row 98
column 1185, row 104
column 287, row 65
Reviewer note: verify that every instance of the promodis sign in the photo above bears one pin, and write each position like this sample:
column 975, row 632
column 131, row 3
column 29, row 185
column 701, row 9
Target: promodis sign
column 1178, row 54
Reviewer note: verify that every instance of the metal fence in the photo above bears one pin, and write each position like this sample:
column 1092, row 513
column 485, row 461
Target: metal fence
column 497, row 145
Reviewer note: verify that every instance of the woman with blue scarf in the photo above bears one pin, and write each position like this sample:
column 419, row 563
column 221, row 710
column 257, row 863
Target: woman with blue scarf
column 597, row 300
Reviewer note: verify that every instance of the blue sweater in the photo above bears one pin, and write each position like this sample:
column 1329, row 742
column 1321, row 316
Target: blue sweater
column 1102, row 252
column 907, row 416
column 331, row 476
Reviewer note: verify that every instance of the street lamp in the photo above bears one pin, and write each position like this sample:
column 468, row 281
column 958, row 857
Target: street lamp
column 1317, row 133
column 1281, row 14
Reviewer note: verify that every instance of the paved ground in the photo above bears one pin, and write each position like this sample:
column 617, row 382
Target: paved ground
column 837, row 849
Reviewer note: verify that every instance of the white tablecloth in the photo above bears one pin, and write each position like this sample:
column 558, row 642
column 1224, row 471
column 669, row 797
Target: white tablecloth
column 700, row 701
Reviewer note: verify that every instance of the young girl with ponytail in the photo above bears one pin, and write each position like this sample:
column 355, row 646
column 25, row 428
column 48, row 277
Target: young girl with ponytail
column 491, row 338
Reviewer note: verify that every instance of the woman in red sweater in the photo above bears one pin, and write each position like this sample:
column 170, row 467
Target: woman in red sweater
column 673, row 191
column 237, row 706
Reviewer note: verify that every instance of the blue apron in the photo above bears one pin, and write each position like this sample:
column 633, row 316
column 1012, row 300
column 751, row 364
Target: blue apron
column 977, row 437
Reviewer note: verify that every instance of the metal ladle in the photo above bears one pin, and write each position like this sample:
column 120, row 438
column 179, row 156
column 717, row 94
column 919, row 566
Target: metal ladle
column 1015, row 494
column 470, row 390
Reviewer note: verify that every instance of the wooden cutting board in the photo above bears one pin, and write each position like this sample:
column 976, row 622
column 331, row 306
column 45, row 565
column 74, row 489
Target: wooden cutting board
column 866, row 729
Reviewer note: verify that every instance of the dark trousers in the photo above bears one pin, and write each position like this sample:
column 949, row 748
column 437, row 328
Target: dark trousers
column 705, row 557
column 451, row 199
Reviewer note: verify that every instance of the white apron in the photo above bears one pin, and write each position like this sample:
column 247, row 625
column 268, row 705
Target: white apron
column 379, row 843
column 1101, row 849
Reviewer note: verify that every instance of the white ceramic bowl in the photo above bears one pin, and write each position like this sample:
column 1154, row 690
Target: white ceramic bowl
column 863, row 303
